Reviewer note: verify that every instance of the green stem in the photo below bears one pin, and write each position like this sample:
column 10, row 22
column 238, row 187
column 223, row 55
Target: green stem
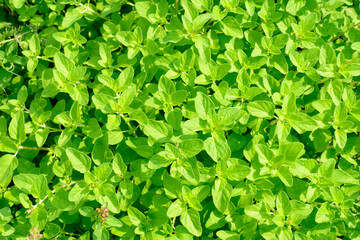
column 176, row 6
column 324, row 80
column 71, row 234
column 45, row 59
column 130, row 3
column 129, row 125
column 342, row 33
column 35, row 148
column 14, row 38
column 10, row 71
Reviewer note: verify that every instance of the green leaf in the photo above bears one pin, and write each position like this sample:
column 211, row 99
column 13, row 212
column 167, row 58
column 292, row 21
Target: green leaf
column 261, row 109
column 204, row 106
column 302, row 122
column 335, row 90
column 174, row 118
column 119, row 166
column 127, row 97
column 17, row 127
column 327, row 55
column 71, row 16
column 327, row 168
column 136, row 217
column 231, row 27
column 352, row 69
column 324, row 214
column 75, row 112
column 65, row 136
column 18, row 3
column 280, row 63
column 289, row 103
column 238, row 172
column 283, row 205
column 159, row 160
column 293, row 6
column 250, row 7
column 160, row 131
column 308, row 22
column 265, row 153
column 51, row 230
column 292, row 151
column 7, row 145
column 40, row 187
column 217, row 148
column 337, row 194
column 340, row 137
column 101, row 152
column 340, row 176
column 191, row 199
column 8, row 163
column 92, row 129
column 285, row 176
column 127, row 188
column 105, row 194
column 191, row 147
column 190, row 171
column 41, row 136
column 78, row 192
column 113, row 222
column 191, row 220
column 258, row 211
column 101, row 233
column 63, row 64
column 34, row 45
column 228, row 235
column 175, row 209
column 60, row 200
column 221, row 193
column 229, row 116
column 24, row 182
column 79, row 160
column 174, row 36
column 32, row 64
column 105, row 54
column 172, row 186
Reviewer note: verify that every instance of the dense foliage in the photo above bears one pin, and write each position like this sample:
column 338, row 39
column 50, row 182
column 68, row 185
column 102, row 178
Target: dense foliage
column 179, row 119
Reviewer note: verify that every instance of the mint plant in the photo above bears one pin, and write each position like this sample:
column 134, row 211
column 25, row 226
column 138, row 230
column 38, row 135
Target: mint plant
column 179, row 119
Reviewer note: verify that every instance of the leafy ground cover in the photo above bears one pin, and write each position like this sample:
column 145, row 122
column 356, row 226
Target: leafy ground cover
column 177, row 120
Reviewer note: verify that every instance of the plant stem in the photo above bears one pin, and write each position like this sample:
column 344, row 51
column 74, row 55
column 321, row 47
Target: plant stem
column 71, row 234
column 14, row 38
column 35, row 148
column 130, row 3
column 129, row 125
column 324, row 80
column 45, row 59
column 342, row 33
column 40, row 202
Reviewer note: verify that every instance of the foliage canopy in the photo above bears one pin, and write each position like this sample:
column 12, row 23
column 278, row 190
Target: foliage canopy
column 179, row 119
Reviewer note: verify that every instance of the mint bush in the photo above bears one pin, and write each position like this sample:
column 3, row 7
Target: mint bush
column 179, row 119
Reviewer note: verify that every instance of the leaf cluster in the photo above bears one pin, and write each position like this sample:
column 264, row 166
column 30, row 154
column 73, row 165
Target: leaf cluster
column 179, row 119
